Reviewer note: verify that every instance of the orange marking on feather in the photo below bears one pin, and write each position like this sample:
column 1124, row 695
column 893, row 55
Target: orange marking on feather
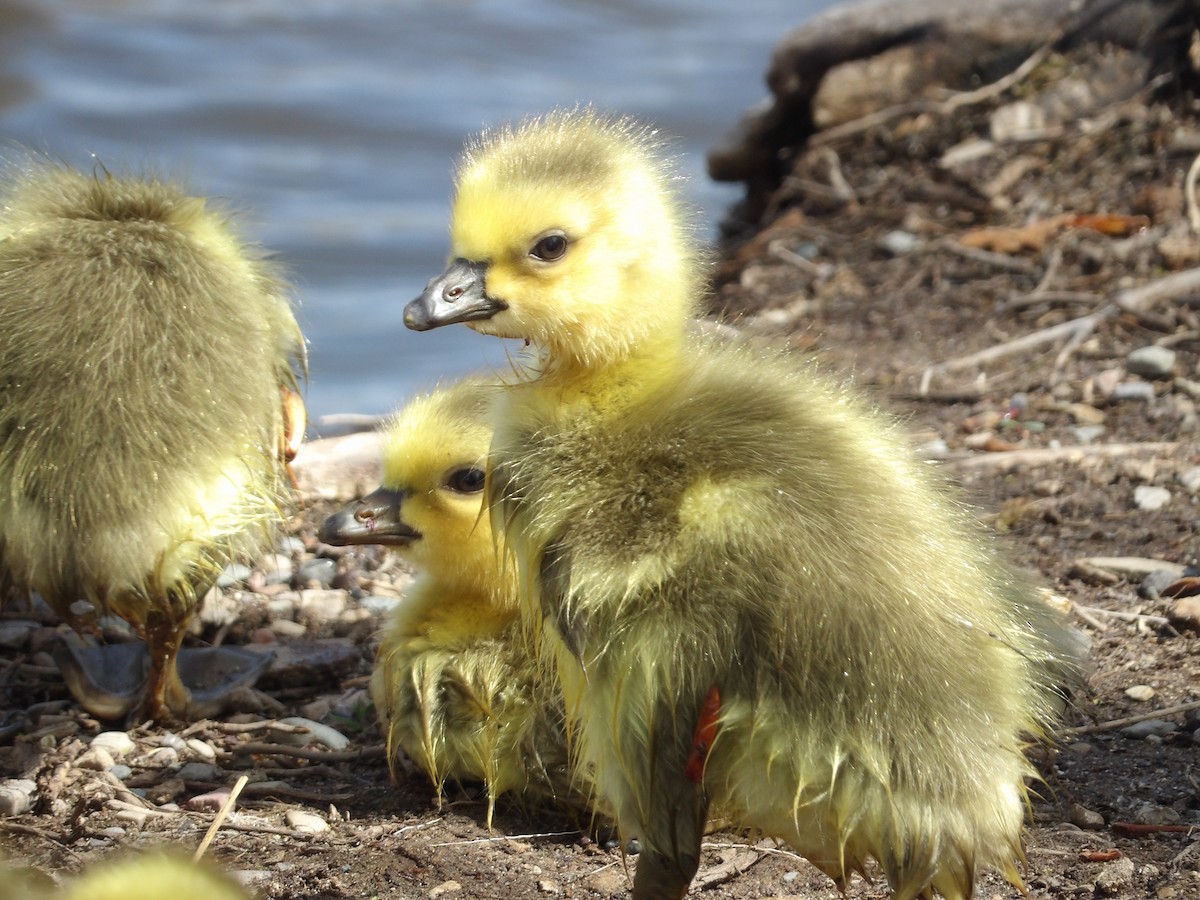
column 704, row 735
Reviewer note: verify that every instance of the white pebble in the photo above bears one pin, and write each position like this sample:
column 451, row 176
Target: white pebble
column 286, row 628
column 446, row 887
column 317, row 733
column 305, row 822
column 1141, row 692
column 118, row 743
column 1150, row 497
column 133, row 816
column 174, row 741
column 16, row 796
column 95, row 759
column 1190, row 479
column 203, row 749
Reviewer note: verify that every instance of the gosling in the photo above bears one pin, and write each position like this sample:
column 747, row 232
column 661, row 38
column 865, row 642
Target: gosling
column 758, row 605
column 456, row 686
column 148, row 405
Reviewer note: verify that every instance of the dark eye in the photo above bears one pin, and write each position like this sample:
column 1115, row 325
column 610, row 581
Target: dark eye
column 466, row 481
column 550, row 248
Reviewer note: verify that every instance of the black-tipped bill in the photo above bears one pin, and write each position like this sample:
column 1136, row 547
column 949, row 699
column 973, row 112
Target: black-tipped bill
column 457, row 295
column 375, row 519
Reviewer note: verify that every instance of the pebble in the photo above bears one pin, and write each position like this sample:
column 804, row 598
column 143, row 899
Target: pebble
column 120, row 771
column 133, row 816
column 283, row 606
column 1190, row 479
column 1082, row 817
column 118, row 743
column 900, row 243
column 318, row 569
column 248, row 878
column 1149, row 728
column 1140, row 692
column 1132, row 390
column 322, row 605
column 276, row 568
column 203, row 749
column 1155, row 582
column 174, row 741
column 380, row 606
column 546, row 886
column 305, row 822
column 1150, row 814
column 14, row 633
column 160, row 758
column 446, row 887
column 199, row 771
column 286, row 628
column 1115, row 878
column 1150, row 497
column 318, row 733
column 1086, row 434
column 210, row 801
column 234, row 573
column 1189, row 387
column 1151, row 362
column 16, row 796
column 95, row 759
column 290, row 544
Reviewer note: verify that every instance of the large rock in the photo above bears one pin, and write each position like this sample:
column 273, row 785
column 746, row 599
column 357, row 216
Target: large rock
column 867, row 55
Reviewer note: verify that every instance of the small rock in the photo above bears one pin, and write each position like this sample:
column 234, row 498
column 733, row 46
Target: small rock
column 286, row 628
column 174, row 741
column 1106, row 382
column 234, row 573
column 16, row 796
column 607, row 882
column 1115, row 878
column 283, row 606
column 305, row 822
column 1086, row 434
column 380, row 605
column 199, row 771
column 133, row 816
column 95, row 759
column 1086, row 414
column 1150, row 814
column 1151, row 362
column 202, row 749
column 14, row 634
column 1150, row 497
column 317, row 733
column 900, row 243
column 446, row 887
column 1132, row 390
column 1155, row 583
column 120, row 771
column 546, row 886
column 1190, row 479
column 118, row 743
column 248, row 878
column 1189, row 387
column 210, row 801
column 318, row 709
column 790, row 876
column 1082, row 817
column 1184, row 613
column 320, row 570
column 1139, row 692
column 159, row 758
column 321, row 606
column 276, row 568
column 1149, row 728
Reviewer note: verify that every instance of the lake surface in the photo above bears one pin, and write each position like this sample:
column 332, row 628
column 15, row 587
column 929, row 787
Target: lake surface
column 334, row 124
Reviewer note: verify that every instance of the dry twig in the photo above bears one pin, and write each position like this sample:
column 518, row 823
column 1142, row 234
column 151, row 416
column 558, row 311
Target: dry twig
column 1114, row 724
column 221, row 816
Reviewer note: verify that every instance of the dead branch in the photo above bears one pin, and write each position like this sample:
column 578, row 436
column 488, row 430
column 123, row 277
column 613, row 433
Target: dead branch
column 1046, row 455
column 376, row 751
column 1114, row 724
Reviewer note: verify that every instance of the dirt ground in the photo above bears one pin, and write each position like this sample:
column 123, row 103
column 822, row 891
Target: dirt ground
column 870, row 254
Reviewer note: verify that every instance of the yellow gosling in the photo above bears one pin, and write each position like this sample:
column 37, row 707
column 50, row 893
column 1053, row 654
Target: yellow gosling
column 456, row 685
column 148, row 367
column 757, row 603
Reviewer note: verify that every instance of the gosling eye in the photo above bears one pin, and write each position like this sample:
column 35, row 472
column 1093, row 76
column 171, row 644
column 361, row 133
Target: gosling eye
column 550, row 248
column 466, row 481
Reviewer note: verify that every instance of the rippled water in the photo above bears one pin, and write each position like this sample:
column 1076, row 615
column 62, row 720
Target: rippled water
column 334, row 125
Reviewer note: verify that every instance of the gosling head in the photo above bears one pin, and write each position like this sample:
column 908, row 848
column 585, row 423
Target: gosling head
column 429, row 505
column 566, row 233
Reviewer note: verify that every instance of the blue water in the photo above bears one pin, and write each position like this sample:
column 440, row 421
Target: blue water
column 333, row 126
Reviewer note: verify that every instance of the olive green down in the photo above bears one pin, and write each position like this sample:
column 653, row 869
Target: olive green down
column 142, row 358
